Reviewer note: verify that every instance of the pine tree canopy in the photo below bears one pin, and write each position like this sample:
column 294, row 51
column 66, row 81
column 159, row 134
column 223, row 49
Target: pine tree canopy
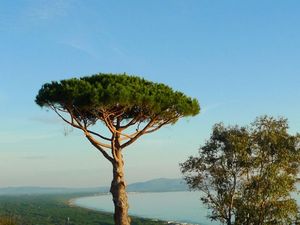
column 119, row 94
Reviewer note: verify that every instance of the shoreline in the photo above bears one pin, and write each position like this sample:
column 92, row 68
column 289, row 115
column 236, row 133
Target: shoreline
column 71, row 203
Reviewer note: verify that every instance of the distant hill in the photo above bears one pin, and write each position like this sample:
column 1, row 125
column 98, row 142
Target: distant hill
column 46, row 190
column 158, row 185
column 155, row 185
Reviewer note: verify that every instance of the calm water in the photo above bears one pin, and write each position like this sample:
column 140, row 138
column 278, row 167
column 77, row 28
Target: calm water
column 170, row 206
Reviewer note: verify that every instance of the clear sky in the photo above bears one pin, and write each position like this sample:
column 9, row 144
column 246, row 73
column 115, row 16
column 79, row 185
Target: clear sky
column 240, row 59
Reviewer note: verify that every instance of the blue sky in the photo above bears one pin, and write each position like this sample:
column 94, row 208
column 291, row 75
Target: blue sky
column 240, row 59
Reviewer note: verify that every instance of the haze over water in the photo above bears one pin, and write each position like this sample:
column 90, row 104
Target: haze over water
column 170, row 206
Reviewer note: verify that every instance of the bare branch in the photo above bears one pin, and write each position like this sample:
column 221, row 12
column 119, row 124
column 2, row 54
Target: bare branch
column 75, row 118
column 118, row 113
column 109, row 124
column 80, row 127
column 94, row 142
column 98, row 135
column 64, row 119
column 90, row 137
column 161, row 124
column 131, row 122
column 98, row 145
column 139, row 133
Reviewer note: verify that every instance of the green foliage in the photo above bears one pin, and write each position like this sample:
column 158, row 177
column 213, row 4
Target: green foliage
column 54, row 210
column 275, row 158
column 109, row 92
column 247, row 174
column 217, row 170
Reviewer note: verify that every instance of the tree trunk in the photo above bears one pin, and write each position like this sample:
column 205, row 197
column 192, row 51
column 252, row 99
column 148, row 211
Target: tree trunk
column 228, row 221
column 118, row 191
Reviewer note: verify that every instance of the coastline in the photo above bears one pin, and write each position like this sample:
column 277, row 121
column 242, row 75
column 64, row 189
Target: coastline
column 71, row 203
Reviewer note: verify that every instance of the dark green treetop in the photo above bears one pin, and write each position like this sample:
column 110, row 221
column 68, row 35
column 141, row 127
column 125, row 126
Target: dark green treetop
column 130, row 96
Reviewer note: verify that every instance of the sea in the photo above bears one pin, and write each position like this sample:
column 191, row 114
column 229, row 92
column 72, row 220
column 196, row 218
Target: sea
column 182, row 207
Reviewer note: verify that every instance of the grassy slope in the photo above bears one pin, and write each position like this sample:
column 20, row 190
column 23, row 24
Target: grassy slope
column 54, row 210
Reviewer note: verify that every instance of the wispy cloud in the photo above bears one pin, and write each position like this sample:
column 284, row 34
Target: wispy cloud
column 119, row 52
column 89, row 46
column 32, row 13
column 47, row 10
column 81, row 45
column 215, row 106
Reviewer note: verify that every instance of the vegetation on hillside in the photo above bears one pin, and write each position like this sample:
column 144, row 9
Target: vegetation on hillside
column 54, row 210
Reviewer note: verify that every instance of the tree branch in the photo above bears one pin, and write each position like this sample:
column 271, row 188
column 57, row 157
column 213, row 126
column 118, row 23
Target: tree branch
column 162, row 124
column 113, row 149
column 98, row 145
column 99, row 135
column 89, row 136
column 86, row 131
column 64, row 119
column 156, row 128
column 139, row 133
column 84, row 128
column 108, row 123
column 130, row 123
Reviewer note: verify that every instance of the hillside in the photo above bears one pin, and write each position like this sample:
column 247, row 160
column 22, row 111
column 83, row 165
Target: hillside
column 155, row 185
column 54, row 209
column 158, row 185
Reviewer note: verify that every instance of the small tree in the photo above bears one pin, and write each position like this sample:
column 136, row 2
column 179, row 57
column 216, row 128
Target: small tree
column 266, row 194
column 247, row 174
column 128, row 106
column 218, row 171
